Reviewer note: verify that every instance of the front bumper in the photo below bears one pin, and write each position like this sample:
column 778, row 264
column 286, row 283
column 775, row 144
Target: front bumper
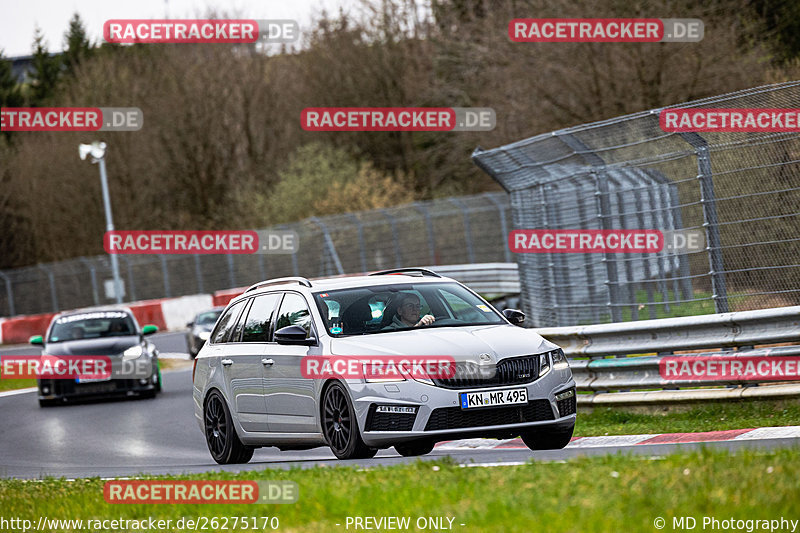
column 69, row 389
column 439, row 415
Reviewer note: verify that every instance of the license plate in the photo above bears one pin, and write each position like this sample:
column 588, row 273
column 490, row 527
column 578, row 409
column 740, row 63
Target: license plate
column 472, row 400
column 80, row 379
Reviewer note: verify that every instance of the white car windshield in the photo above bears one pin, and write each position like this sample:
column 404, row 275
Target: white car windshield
column 386, row 308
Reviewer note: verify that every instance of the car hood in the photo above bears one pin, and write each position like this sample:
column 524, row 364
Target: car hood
column 100, row 346
column 499, row 340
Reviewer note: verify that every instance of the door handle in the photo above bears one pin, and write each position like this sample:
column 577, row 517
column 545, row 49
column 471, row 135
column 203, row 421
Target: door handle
column 267, row 362
column 227, row 362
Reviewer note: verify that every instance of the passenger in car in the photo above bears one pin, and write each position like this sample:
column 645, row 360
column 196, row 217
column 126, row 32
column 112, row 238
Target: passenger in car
column 407, row 315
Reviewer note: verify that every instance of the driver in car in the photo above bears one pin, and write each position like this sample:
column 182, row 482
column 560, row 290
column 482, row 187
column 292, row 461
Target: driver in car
column 407, row 315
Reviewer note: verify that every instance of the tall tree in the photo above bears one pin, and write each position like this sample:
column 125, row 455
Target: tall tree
column 10, row 94
column 46, row 70
column 76, row 44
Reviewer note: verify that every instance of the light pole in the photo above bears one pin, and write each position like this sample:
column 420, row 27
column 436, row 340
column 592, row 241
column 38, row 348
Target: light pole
column 98, row 151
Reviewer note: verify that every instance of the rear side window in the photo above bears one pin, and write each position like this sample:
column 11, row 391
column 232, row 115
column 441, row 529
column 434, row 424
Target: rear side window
column 259, row 318
column 226, row 323
column 294, row 312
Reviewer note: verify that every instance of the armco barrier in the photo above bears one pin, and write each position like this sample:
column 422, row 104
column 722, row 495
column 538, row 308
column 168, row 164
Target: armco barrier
column 743, row 331
column 168, row 314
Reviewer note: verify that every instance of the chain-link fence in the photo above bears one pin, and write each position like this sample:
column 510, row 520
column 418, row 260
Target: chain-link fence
column 448, row 231
column 742, row 189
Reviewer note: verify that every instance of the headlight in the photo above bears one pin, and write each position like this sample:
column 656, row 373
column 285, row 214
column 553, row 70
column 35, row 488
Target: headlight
column 204, row 335
column 544, row 363
column 133, row 352
column 559, row 359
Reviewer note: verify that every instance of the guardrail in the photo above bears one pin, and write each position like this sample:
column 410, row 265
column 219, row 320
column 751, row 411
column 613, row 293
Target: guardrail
column 600, row 356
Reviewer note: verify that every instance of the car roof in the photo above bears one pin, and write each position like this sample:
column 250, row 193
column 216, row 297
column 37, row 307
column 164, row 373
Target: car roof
column 348, row 282
column 101, row 309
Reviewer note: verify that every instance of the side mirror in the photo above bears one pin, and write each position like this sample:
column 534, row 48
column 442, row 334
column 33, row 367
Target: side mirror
column 294, row 335
column 149, row 329
column 515, row 316
column 189, row 325
column 36, row 340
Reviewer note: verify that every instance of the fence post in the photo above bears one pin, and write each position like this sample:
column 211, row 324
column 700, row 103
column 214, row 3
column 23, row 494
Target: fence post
column 9, row 293
column 398, row 259
column 131, row 284
column 93, row 276
column 467, row 230
column 503, row 225
column 429, row 228
column 710, row 221
column 165, row 274
column 362, row 248
column 329, row 244
column 604, row 214
column 198, row 273
column 231, row 271
column 52, row 279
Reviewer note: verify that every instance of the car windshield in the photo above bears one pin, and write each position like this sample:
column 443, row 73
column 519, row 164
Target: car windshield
column 92, row 326
column 209, row 318
column 386, row 308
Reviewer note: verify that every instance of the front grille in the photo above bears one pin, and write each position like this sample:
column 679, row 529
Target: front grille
column 568, row 406
column 389, row 421
column 457, row 418
column 511, row 371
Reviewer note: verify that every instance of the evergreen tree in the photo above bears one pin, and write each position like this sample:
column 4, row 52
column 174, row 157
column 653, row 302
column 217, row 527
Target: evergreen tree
column 46, row 70
column 76, row 44
column 10, row 94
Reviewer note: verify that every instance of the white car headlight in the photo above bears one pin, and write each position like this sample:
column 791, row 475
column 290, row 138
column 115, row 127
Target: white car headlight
column 544, row 363
column 133, row 352
column 559, row 359
column 204, row 335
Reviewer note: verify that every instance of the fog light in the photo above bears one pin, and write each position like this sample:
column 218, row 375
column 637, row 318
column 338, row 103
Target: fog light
column 45, row 390
column 564, row 395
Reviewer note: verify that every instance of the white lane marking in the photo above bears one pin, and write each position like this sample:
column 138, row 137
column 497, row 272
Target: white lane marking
column 486, row 465
column 611, row 440
column 464, row 444
column 786, row 432
column 173, row 355
column 17, row 391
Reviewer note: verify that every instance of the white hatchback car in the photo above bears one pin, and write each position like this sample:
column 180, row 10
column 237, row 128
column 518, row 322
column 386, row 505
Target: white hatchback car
column 250, row 390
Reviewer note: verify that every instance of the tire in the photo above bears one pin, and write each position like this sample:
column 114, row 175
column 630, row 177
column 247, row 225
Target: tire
column 221, row 437
column 414, row 448
column 340, row 427
column 158, row 378
column 547, row 440
column 47, row 403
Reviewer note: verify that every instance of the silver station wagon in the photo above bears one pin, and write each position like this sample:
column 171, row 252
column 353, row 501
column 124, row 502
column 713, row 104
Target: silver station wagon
column 252, row 388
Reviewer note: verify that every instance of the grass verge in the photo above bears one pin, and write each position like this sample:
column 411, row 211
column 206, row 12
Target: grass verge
column 607, row 493
column 704, row 417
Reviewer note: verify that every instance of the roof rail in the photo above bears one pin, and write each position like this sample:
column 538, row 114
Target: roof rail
column 409, row 271
column 280, row 281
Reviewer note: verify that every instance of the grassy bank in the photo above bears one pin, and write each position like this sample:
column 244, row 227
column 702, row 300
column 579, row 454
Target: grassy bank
column 609, row 493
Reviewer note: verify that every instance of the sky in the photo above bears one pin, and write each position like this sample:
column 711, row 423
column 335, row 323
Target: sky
column 18, row 18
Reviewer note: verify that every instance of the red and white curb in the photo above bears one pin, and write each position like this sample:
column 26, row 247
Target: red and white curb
column 785, row 432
